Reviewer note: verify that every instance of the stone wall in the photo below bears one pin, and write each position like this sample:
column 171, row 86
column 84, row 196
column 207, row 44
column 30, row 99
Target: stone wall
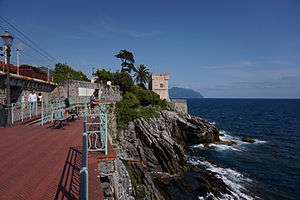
column 17, row 93
column 109, row 93
column 83, row 88
column 180, row 106
column 2, row 96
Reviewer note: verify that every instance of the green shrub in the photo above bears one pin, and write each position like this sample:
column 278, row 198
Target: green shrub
column 123, row 80
column 138, row 103
column 146, row 97
column 130, row 100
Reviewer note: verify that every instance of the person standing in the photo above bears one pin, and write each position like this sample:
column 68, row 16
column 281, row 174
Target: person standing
column 93, row 101
column 32, row 99
column 39, row 98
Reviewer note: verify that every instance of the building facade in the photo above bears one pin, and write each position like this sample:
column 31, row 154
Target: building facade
column 160, row 85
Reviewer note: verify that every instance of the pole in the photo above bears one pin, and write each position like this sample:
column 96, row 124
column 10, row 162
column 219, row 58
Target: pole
column 68, row 87
column 48, row 74
column 18, row 61
column 7, row 63
column 42, row 112
column 2, row 54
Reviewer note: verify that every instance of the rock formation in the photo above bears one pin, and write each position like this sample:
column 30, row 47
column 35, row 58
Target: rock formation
column 154, row 152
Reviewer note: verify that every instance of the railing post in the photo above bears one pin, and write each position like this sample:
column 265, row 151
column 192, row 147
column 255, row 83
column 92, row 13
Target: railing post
column 30, row 109
column 36, row 108
column 84, row 176
column 42, row 112
column 22, row 111
column 51, row 108
column 106, row 134
column 12, row 113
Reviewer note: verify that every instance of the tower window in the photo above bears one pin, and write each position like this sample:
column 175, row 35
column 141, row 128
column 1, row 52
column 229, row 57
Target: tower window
column 161, row 85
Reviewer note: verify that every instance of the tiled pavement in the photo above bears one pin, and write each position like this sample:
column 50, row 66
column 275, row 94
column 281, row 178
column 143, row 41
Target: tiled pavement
column 42, row 163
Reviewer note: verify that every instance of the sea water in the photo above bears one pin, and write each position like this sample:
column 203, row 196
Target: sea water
column 269, row 168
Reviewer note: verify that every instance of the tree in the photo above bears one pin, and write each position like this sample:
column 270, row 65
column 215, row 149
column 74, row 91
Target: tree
column 142, row 76
column 64, row 72
column 103, row 76
column 123, row 80
column 127, row 59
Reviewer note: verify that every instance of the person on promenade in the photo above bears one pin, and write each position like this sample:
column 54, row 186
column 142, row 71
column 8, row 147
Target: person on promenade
column 93, row 101
column 39, row 98
column 32, row 99
column 67, row 106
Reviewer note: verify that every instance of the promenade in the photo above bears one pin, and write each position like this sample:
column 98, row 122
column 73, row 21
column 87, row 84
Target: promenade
column 43, row 163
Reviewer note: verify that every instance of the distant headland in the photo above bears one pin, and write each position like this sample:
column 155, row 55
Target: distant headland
column 183, row 93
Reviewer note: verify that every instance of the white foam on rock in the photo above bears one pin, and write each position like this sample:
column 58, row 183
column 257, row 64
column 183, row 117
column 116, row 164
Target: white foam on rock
column 230, row 177
column 198, row 146
column 213, row 123
column 225, row 136
column 259, row 141
column 221, row 147
column 228, row 137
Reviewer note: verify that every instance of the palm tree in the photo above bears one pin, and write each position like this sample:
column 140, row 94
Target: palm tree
column 127, row 59
column 142, row 75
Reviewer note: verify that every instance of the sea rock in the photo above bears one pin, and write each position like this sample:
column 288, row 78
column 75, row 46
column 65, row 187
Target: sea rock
column 189, row 130
column 193, row 184
column 248, row 139
column 226, row 142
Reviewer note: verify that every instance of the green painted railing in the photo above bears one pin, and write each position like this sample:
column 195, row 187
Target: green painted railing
column 94, row 138
column 45, row 110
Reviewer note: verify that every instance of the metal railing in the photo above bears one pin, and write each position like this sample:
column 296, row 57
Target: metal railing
column 95, row 138
column 46, row 110
column 84, row 173
column 97, row 129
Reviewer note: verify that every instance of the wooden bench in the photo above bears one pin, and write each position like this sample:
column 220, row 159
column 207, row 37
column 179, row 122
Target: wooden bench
column 60, row 123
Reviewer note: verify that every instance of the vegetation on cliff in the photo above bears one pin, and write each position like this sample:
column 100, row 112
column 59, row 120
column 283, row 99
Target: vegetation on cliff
column 138, row 103
column 153, row 140
column 64, row 72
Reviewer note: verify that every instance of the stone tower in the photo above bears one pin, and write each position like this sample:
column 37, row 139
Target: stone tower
column 159, row 84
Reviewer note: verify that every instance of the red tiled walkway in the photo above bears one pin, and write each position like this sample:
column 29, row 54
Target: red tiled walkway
column 33, row 158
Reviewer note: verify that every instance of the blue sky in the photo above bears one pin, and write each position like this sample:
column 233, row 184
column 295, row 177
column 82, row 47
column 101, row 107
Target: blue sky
column 222, row 48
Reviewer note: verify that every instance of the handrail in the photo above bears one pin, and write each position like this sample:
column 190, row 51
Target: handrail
column 84, row 173
column 21, row 111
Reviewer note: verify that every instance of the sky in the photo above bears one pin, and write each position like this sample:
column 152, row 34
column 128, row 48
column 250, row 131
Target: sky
column 221, row 48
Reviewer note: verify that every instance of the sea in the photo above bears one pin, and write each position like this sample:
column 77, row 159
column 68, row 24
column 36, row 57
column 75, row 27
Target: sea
column 269, row 168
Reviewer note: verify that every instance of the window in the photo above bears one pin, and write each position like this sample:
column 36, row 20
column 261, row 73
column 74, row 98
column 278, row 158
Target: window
column 161, row 85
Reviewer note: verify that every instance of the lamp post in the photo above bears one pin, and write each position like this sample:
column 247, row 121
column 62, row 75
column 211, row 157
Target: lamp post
column 7, row 40
column 68, row 85
column 18, row 61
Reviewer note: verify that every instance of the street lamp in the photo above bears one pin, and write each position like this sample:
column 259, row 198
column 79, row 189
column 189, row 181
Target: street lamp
column 7, row 40
column 68, row 85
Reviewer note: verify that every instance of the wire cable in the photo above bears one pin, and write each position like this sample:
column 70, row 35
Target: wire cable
column 37, row 47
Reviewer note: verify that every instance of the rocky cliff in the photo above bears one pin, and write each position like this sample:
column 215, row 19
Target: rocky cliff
column 154, row 152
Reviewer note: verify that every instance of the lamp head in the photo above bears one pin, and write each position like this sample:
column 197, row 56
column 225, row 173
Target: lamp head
column 7, row 38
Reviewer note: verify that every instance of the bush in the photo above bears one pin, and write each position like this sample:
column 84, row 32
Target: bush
column 123, row 80
column 146, row 97
column 138, row 103
column 130, row 100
